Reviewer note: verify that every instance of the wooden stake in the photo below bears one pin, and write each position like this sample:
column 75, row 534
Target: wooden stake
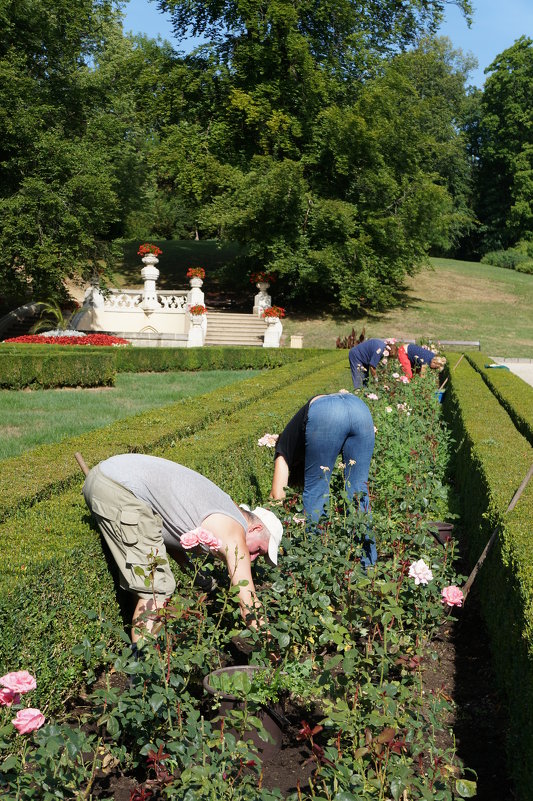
column 490, row 543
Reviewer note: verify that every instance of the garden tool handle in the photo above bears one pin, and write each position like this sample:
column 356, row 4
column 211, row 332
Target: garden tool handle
column 80, row 460
column 488, row 546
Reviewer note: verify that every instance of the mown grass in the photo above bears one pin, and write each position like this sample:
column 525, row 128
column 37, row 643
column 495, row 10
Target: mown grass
column 452, row 300
column 31, row 418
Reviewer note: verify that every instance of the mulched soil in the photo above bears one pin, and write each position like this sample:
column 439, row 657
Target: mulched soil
column 461, row 670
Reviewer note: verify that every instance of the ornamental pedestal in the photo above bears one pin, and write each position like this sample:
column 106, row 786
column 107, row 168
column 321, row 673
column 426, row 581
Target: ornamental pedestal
column 149, row 274
column 197, row 330
column 273, row 332
column 195, row 295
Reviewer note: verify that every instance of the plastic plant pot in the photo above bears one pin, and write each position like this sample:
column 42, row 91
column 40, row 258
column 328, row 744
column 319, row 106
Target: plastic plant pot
column 442, row 531
column 439, row 394
column 265, row 750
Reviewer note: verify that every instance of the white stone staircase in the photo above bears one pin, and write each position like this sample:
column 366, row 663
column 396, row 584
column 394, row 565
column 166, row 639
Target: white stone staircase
column 230, row 328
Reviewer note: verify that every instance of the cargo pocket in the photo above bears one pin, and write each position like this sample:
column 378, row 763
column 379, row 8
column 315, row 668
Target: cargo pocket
column 129, row 521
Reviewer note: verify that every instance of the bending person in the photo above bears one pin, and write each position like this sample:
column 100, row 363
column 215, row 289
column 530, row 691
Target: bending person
column 416, row 359
column 364, row 358
column 308, row 446
column 146, row 506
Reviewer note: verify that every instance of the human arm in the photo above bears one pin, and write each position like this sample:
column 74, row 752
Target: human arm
column 280, row 478
column 234, row 552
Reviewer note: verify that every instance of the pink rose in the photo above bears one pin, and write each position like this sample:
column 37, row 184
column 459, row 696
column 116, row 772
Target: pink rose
column 28, row 720
column 8, row 697
column 207, row 538
column 268, row 440
column 19, row 682
column 452, row 595
column 420, row 572
column 189, row 540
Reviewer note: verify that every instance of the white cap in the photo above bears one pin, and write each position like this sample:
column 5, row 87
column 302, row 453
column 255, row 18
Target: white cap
column 274, row 527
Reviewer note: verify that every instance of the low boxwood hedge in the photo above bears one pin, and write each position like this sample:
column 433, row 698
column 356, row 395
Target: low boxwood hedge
column 42, row 366
column 514, row 394
column 56, row 568
column 492, row 459
column 52, row 467
column 158, row 360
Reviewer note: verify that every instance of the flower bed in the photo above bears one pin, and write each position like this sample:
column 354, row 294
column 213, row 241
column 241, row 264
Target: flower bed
column 345, row 654
column 88, row 339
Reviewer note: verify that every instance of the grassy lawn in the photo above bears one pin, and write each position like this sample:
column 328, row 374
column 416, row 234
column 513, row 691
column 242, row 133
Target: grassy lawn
column 455, row 300
column 31, row 418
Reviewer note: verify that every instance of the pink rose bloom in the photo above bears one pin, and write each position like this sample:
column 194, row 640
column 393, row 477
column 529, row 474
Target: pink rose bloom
column 420, row 572
column 207, row 538
column 19, row 682
column 298, row 519
column 8, row 697
column 189, row 540
column 372, row 396
column 268, row 440
column 403, row 379
column 396, row 375
column 452, row 595
column 28, row 720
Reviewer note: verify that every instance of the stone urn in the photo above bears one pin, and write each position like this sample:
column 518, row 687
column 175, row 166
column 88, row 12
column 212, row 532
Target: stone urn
column 149, row 274
column 195, row 282
column 273, row 332
column 262, row 300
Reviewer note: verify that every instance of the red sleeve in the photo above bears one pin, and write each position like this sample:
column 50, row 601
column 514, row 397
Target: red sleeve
column 404, row 361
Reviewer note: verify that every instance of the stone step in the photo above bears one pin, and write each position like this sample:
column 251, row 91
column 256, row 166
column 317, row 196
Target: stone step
column 232, row 328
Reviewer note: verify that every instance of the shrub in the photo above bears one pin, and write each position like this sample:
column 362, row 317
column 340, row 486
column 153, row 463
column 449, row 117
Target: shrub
column 510, row 259
column 491, row 461
column 47, row 366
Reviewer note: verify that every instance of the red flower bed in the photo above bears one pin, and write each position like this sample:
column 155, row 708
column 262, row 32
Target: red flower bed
column 90, row 339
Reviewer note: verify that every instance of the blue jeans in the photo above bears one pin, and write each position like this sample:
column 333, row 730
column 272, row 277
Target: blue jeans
column 339, row 423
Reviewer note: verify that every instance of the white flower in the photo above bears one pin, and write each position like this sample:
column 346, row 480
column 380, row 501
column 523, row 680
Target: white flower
column 372, row 396
column 375, row 430
column 341, row 465
column 268, row 440
column 324, row 468
column 388, row 409
column 352, row 461
column 420, row 572
column 396, row 375
column 298, row 519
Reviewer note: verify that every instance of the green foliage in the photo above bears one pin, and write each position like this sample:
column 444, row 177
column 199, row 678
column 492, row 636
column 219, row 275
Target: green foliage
column 504, row 187
column 52, row 366
column 491, row 461
column 511, row 259
column 349, row 645
column 515, row 395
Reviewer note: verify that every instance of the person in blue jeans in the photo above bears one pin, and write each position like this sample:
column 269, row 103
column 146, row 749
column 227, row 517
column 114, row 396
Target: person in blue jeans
column 364, row 358
column 308, row 446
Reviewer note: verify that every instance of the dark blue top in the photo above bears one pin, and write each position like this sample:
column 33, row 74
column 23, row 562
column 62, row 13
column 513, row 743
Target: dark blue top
column 418, row 355
column 368, row 353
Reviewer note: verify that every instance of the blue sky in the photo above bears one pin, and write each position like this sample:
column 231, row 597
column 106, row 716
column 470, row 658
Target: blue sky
column 496, row 25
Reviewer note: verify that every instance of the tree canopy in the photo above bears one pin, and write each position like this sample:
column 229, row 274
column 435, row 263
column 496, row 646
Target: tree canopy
column 336, row 142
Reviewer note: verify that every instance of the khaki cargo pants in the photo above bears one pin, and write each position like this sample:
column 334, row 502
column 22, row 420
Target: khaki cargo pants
column 133, row 533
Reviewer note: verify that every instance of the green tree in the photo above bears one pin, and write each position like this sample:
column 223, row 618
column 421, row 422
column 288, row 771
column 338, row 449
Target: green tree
column 504, row 148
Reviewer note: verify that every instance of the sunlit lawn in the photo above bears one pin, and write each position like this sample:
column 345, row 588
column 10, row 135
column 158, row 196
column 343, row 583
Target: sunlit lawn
column 31, row 418
column 454, row 301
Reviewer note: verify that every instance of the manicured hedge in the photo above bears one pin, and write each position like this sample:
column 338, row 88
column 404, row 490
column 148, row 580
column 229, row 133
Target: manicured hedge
column 515, row 395
column 52, row 468
column 44, row 366
column 492, row 460
column 56, row 568
column 138, row 360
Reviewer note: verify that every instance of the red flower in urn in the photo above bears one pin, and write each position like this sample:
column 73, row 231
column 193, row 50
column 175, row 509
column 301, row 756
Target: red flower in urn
column 274, row 311
column 147, row 248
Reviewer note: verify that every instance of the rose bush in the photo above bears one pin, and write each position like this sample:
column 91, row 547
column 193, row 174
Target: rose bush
column 347, row 646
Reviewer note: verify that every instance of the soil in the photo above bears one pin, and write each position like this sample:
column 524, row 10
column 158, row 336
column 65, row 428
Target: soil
column 458, row 665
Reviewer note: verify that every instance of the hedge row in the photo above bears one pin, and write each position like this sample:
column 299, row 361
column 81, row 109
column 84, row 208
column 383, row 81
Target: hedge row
column 492, row 460
column 45, row 366
column 52, row 468
column 56, row 567
column 514, row 394
column 159, row 360
column 42, row 367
